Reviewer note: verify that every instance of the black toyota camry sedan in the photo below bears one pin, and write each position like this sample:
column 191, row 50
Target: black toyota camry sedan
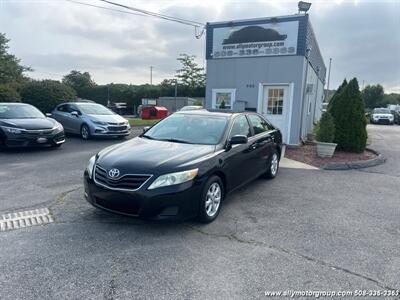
column 184, row 166
column 23, row 125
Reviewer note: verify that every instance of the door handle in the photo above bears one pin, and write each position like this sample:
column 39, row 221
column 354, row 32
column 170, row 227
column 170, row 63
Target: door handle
column 253, row 146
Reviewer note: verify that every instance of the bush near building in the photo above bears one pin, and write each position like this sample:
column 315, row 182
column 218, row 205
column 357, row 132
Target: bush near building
column 348, row 111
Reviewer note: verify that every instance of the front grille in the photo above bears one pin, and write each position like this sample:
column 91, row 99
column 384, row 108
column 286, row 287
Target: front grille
column 117, row 128
column 111, row 123
column 38, row 132
column 125, row 207
column 128, row 182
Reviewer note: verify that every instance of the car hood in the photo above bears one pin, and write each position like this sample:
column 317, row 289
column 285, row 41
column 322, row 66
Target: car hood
column 143, row 156
column 33, row 124
column 107, row 118
column 382, row 115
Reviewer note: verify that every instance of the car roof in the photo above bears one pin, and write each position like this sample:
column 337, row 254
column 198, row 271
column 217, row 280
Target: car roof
column 216, row 112
column 211, row 112
column 14, row 103
column 78, row 102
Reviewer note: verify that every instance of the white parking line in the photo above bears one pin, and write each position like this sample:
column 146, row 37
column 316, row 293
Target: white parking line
column 24, row 219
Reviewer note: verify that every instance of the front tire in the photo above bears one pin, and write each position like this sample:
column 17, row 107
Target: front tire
column 272, row 166
column 212, row 196
column 85, row 132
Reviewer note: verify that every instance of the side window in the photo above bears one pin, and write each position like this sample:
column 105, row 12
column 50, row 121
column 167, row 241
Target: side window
column 259, row 125
column 61, row 108
column 240, row 127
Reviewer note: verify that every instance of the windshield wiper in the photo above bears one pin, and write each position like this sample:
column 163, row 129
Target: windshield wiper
column 148, row 137
column 176, row 141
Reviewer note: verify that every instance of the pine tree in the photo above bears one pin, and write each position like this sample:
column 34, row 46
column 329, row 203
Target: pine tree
column 349, row 116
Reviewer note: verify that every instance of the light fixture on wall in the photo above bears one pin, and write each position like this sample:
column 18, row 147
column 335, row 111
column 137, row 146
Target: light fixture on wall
column 303, row 6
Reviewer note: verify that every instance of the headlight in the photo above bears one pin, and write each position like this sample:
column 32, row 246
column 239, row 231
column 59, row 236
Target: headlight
column 173, row 178
column 12, row 130
column 58, row 127
column 90, row 166
column 99, row 123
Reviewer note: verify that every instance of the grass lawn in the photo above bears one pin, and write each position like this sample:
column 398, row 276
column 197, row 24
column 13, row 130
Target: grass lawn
column 140, row 122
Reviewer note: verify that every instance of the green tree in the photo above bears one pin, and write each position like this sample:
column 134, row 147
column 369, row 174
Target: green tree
column 46, row 94
column 8, row 93
column 78, row 81
column 373, row 95
column 190, row 73
column 349, row 117
column 10, row 68
column 326, row 129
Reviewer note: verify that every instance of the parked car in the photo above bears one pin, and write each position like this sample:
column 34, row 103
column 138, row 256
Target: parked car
column 191, row 107
column 395, row 110
column 381, row 116
column 184, row 166
column 23, row 125
column 90, row 120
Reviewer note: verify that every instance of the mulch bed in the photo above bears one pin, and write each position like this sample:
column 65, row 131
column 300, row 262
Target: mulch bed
column 308, row 154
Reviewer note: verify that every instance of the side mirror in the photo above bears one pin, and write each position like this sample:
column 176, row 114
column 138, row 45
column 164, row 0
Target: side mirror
column 48, row 115
column 75, row 114
column 238, row 139
column 146, row 128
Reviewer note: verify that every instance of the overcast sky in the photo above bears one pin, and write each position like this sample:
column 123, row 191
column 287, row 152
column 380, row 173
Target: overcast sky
column 54, row 37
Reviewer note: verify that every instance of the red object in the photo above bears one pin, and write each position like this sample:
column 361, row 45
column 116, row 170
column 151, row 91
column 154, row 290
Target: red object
column 154, row 112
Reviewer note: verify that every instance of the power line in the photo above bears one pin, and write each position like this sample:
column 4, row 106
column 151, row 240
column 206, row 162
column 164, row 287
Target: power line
column 157, row 15
column 107, row 8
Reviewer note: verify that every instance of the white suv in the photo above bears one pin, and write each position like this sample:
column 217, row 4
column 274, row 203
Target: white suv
column 382, row 116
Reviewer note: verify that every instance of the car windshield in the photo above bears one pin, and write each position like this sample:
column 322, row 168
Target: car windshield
column 188, row 128
column 94, row 109
column 18, row 111
column 381, row 111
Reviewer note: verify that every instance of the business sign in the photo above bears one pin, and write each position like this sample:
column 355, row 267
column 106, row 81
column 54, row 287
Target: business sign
column 269, row 39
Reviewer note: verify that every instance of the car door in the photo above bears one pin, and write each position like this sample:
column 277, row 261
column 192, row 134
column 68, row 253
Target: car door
column 238, row 158
column 60, row 114
column 75, row 120
column 261, row 143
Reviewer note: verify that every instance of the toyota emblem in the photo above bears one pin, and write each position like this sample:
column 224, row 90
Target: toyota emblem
column 113, row 173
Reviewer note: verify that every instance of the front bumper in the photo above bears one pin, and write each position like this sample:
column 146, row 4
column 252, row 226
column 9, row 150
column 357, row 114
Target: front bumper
column 383, row 121
column 33, row 140
column 111, row 130
column 179, row 202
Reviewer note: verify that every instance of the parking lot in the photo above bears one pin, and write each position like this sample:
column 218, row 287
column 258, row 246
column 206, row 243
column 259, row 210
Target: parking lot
column 304, row 230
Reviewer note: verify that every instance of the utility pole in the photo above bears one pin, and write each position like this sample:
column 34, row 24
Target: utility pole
column 151, row 75
column 176, row 94
column 108, row 95
column 329, row 78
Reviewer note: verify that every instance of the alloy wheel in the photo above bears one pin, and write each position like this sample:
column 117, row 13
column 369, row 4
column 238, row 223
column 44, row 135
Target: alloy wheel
column 274, row 164
column 213, row 199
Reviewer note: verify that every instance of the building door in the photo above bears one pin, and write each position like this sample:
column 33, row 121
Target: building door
column 275, row 107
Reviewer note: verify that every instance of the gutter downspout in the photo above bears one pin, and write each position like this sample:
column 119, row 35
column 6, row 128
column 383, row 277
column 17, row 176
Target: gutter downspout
column 304, row 95
column 316, row 96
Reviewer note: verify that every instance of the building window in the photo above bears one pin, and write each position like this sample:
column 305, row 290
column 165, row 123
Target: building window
column 223, row 98
column 275, row 101
column 309, row 107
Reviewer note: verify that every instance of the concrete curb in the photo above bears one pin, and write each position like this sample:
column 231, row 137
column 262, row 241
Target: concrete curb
column 358, row 164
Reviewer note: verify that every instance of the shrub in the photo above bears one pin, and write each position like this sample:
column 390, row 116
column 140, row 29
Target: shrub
column 8, row 93
column 348, row 113
column 46, row 94
column 325, row 129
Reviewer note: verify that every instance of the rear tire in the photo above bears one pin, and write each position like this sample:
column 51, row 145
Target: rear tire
column 272, row 165
column 85, row 132
column 211, row 200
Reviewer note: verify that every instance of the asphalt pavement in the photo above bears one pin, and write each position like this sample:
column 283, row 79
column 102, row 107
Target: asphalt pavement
column 306, row 230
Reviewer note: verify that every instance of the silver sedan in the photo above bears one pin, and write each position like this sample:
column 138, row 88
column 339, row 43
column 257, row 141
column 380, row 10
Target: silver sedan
column 90, row 120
